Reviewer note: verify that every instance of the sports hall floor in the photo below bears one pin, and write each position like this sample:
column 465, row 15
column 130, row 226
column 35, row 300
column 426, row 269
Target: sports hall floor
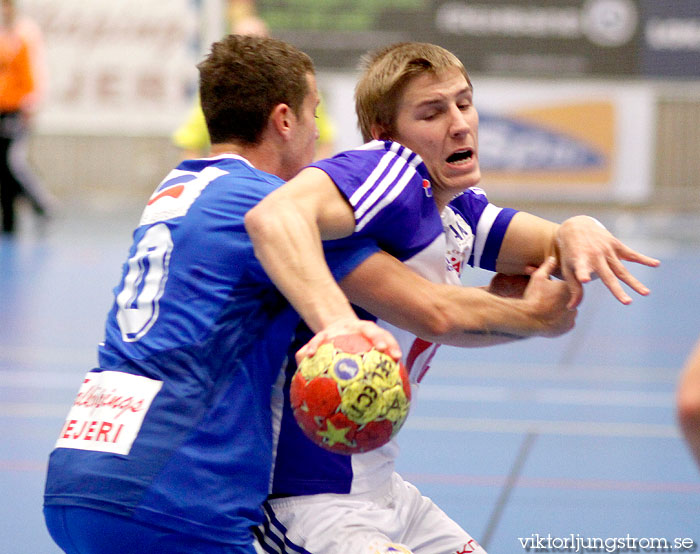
column 559, row 438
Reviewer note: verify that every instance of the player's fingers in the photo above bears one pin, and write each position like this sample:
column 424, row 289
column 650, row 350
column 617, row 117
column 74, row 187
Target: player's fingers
column 545, row 270
column 626, row 277
column 574, row 286
column 304, row 352
column 609, row 278
column 575, row 295
column 582, row 270
column 301, row 354
column 381, row 339
column 310, row 348
column 627, row 254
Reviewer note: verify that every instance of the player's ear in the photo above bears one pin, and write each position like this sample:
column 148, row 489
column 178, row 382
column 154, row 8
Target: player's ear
column 379, row 132
column 282, row 120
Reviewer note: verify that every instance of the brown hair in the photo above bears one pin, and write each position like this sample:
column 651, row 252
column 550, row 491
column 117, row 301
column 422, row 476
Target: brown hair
column 243, row 79
column 386, row 72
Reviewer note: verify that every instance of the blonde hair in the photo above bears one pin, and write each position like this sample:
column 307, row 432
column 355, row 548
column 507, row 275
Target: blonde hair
column 385, row 74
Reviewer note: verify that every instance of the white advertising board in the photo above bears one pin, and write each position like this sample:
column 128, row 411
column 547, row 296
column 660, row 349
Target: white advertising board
column 119, row 67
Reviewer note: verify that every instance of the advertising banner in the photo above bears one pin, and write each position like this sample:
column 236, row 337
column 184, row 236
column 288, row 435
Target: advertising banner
column 538, row 38
column 671, row 43
column 541, row 37
column 125, row 67
column 566, row 140
column 546, row 139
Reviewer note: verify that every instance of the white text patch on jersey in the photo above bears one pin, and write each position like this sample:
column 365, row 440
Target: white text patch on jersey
column 176, row 193
column 108, row 412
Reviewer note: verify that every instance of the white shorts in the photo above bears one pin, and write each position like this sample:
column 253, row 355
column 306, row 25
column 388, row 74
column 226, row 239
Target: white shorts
column 396, row 518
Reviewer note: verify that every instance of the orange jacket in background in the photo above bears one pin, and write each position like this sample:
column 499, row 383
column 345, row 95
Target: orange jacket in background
column 16, row 82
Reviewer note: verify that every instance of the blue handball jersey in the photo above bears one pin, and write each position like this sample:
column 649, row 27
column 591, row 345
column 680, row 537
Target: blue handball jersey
column 174, row 426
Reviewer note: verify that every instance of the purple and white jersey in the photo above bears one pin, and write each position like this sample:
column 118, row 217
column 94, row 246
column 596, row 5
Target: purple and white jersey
column 388, row 187
column 473, row 233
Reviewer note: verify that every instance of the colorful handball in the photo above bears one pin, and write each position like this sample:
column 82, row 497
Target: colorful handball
column 348, row 397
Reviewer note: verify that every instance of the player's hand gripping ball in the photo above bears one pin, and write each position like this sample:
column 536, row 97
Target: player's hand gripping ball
column 348, row 397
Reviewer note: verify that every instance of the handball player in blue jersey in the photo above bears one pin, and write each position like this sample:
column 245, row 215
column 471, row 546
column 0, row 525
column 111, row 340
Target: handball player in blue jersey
column 413, row 99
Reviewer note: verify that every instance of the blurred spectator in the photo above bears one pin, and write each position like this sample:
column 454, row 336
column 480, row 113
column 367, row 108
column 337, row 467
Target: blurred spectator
column 192, row 136
column 34, row 39
column 689, row 402
column 22, row 84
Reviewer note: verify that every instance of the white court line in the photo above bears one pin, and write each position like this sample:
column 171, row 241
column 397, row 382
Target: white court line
column 48, row 355
column 448, row 424
column 446, row 393
column 531, row 372
column 458, row 393
column 605, row 398
column 542, row 427
column 41, row 379
column 560, row 396
column 34, row 410
column 563, row 483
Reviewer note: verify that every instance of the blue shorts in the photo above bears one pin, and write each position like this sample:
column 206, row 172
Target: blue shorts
column 86, row 531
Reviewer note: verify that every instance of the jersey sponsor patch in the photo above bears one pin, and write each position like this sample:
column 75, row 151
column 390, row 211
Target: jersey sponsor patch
column 176, row 194
column 108, row 412
column 460, row 239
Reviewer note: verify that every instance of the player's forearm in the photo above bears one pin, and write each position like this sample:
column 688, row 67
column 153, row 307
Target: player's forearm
column 426, row 311
column 289, row 248
column 476, row 317
column 528, row 242
column 460, row 316
column 477, row 331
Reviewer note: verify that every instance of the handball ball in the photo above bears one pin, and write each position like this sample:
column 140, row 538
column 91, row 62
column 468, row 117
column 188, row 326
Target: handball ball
column 348, row 397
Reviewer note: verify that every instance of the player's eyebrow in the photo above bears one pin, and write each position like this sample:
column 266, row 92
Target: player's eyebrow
column 440, row 98
column 430, row 102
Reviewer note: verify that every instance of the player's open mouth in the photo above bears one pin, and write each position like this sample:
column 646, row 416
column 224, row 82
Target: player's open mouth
column 461, row 156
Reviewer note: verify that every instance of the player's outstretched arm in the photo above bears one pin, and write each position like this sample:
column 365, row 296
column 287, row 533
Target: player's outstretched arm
column 587, row 248
column 286, row 229
column 583, row 247
column 460, row 316
column 688, row 402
